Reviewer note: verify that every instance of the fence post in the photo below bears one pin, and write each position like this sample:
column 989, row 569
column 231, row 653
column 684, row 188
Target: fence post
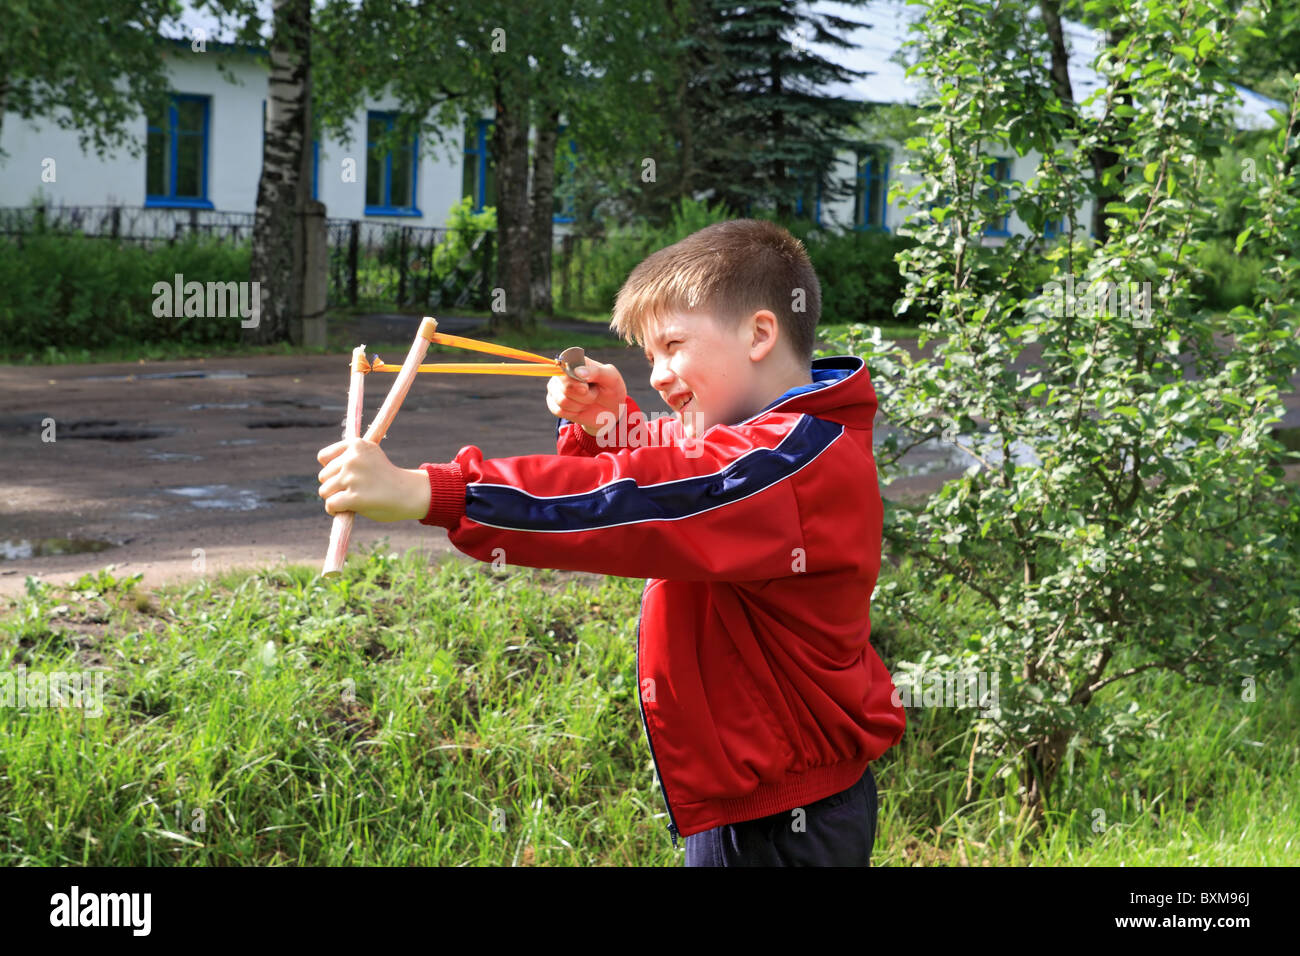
column 401, row 267
column 116, row 219
column 582, row 285
column 354, row 239
column 485, row 270
column 566, row 257
column 433, row 245
column 315, row 282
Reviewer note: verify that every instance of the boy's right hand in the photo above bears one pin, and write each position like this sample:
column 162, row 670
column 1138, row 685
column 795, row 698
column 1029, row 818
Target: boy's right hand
column 590, row 405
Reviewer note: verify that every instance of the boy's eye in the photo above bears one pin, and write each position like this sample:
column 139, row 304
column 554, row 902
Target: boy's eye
column 650, row 359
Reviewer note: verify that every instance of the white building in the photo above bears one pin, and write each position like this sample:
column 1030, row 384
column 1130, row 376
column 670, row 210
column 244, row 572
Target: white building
column 876, row 164
column 206, row 153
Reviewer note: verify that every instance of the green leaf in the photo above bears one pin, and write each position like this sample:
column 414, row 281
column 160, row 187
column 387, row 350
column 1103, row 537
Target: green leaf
column 1243, row 236
column 1149, row 171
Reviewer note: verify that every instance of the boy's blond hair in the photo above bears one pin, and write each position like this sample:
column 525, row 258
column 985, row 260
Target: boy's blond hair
column 730, row 270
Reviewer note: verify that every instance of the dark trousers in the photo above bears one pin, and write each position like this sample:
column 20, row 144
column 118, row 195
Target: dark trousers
column 839, row 830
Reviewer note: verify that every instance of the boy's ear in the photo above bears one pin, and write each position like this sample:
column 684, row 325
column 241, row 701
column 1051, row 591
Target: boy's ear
column 766, row 329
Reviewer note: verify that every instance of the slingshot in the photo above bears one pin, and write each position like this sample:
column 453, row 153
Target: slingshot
column 566, row 363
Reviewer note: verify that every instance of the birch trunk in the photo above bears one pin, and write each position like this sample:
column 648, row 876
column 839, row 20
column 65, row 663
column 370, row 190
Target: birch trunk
column 285, row 184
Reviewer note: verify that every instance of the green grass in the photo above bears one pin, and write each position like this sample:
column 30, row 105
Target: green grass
column 378, row 720
column 544, row 341
column 459, row 715
column 1221, row 787
column 161, row 351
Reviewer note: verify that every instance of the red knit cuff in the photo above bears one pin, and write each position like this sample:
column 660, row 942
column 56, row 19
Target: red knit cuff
column 446, row 494
column 616, row 435
column 588, row 443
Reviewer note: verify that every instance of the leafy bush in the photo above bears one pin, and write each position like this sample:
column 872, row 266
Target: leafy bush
column 464, row 226
column 65, row 290
column 859, row 278
column 601, row 265
column 1152, row 528
column 1226, row 279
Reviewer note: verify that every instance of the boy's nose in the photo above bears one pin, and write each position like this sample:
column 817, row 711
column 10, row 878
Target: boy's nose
column 660, row 377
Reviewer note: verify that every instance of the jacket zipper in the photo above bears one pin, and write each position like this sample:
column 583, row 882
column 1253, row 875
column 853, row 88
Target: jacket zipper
column 673, row 832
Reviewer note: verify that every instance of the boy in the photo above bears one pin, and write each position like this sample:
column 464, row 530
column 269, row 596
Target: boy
column 755, row 514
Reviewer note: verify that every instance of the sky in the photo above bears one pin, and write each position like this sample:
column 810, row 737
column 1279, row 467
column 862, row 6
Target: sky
column 874, row 53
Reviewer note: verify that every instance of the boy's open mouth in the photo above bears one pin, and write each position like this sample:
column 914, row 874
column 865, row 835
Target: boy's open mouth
column 682, row 407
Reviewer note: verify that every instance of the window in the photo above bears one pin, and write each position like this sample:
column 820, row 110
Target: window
column 315, row 155
column 1000, row 170
column 808, row 202
column 391, row 175
column 1053, row 228
column 176, row 154
column 479, row 177
column 563, row 208
column 871, row 188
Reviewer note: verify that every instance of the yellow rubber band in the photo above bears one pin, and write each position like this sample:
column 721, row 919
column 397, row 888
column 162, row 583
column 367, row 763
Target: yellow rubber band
column 481, row 368
column 537, row 364
column 474, row 345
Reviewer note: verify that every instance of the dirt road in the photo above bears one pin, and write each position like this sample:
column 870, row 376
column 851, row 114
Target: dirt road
column 166, row 466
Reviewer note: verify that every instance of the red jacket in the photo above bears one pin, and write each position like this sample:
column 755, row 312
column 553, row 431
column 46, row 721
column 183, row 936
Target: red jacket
column 760, row 690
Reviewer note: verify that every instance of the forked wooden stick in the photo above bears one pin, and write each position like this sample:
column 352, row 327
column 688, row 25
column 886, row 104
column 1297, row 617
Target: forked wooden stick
column 341, row 530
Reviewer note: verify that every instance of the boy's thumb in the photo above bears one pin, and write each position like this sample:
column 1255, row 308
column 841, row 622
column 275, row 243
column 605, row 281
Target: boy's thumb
column 583, row 373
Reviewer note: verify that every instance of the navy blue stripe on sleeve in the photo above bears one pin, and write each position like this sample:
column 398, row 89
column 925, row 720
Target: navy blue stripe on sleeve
column 624, row 502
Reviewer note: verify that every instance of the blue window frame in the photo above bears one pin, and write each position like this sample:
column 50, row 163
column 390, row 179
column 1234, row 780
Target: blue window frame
column 563, row 208
column 1000, row 170
column 1053, row 228
column 176, row 154
column 871, row 188
column 392, row 176
column 478, row 179
column 315, row 156
column 808, row 197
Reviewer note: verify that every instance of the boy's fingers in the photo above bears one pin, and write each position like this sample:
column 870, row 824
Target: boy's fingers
column 329, row 471
column 331, row 451
column 576, row 390
column 599, row 373
column 568, row 395
column 335, row 459
column 339, row 503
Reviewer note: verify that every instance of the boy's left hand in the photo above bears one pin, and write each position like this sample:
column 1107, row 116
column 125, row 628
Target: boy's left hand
column 358, row 477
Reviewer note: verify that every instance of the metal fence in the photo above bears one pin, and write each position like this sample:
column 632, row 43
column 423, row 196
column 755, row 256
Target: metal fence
column 371, row 264
column 128, row 223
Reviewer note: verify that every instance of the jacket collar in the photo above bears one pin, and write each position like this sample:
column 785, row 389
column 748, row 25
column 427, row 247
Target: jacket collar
column 840, row 391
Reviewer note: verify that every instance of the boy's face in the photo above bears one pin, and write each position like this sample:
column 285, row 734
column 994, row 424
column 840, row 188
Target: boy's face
column 702, row 370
